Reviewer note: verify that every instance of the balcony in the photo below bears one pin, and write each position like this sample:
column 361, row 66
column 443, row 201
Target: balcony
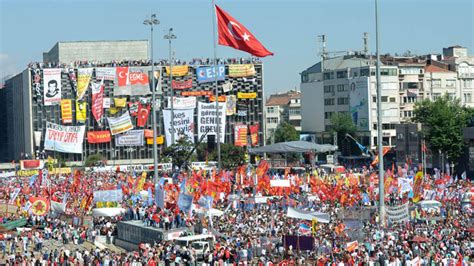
column 466, row 75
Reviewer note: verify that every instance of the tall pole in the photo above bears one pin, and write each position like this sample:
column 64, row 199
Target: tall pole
column 153, row 21
column 379, row 120
column 170, row 36
column 216, row 71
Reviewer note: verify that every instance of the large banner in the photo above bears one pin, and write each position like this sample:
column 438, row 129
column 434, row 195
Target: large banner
column 181, row 85
column 240, row 135
column 52, row 86
column 196, row 93
column 178, row 71
column 84, row 76
column 207, row 118
column 131, row 81
column 131, row 138
column 66, row 111
column 105, row 73
column 67, row 139
column 81, row 112
column 308, row 215
column 358, row 102
column 254, row 134
column 98, row 101
column 99, row 136
column 396, row 214
column 208, row 74
column 108, row 195
column 182, row 102
column 120, row 124
column 183, row 124
column 244, row 70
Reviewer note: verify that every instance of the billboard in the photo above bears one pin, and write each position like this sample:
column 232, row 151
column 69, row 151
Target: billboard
column 131, row 138
column 208, row 74
column 67, row 139
column 359, row 102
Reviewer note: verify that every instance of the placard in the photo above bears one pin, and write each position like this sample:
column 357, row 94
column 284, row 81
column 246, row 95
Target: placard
column 182, row 102
column 183, row 124
column 131, row 138
column 207, row 120
column 208, row 74
column 108, row 195
column 67, row 139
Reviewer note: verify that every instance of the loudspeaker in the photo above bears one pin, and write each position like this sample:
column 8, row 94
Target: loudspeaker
column 211, row 142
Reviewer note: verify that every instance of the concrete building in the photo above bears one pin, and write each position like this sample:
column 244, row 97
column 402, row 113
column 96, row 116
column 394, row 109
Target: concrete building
column 282, row 107
column 24, row 114
column 98, row 51
column 462, row 63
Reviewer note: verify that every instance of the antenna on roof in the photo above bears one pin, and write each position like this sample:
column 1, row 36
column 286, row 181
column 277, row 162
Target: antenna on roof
column 323, row 52
column 366, row 43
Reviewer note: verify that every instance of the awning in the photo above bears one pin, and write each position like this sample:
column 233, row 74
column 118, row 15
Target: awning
column 294, row 146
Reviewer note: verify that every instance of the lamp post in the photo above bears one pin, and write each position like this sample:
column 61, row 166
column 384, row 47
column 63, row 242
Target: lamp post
column 170, row 36
column 151, row 22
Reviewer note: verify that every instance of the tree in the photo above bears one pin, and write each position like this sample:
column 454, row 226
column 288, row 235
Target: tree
column 178, row 152
column 342, row 124
column 286, row 132
column 443, row 122
column 93, row 159
column 231, row 156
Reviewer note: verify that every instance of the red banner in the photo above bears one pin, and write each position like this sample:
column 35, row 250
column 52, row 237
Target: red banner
column 222, row 98
column 99, row 136
column 254, row 134
column 181, row 85
column 240, row 135
column 98, row 101
column 143, row 113
column 148, row 133
column 39, row 205
column 196, row 93
column 30, row 164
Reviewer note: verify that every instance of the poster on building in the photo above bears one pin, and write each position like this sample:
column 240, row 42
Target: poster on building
column 178, row 71
column 131, row 81
column 105, row 73
column 207, row 120
column 143, row 114
column 120, row 124
column 196, row 93
column 241, row 70
column 254, row 134
column 182, row 84
column 240, row 135
column 246, row 95
column 106, row 103
column 52, row 86
column 81, row 112
column 131, row 138
column 183, row 124
column 98, row 101
column 67, row 139
column 359, row 103
column 231, row 104
column 221, row 98
column 102, row 136
column 208, row 74
column 66, row 111
column 84, row 76
column 182, row 102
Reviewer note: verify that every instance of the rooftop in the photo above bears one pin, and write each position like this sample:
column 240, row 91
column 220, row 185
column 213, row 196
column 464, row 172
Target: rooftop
column 282, row 98
column 432, row 68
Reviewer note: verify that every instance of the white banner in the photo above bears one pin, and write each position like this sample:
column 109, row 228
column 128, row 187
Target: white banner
column 182, row 102
column 120, row 124
column 280, row 183
column 131, row 138
column 67, row 139
column 37, row 137
column 183, row 124
column 307, row 215
column 208, row 120
column 106, row 103
column 52, row 86
column 106, row 73
column 397, row 213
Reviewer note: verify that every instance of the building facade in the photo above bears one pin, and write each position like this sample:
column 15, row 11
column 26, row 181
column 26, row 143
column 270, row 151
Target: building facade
column 282, row 107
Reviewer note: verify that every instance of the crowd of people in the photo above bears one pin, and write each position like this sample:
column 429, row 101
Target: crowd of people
column 247, row 232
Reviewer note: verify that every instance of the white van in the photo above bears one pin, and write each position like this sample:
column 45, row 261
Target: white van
column 202, row 244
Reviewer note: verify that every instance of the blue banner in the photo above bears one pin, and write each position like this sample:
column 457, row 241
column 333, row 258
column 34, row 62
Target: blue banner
column 207, row 74
column 184, row 202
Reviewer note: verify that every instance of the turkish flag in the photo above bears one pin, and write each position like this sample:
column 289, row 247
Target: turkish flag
column 143, row 112
column 233, row 34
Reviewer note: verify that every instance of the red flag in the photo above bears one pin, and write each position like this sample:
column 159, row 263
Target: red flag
column 233, row 34
column 143, row 112
column 97, row 100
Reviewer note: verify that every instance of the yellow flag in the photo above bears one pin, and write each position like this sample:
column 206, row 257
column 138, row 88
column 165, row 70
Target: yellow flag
column 114, row 110
column 81, row 112
column 120, row 102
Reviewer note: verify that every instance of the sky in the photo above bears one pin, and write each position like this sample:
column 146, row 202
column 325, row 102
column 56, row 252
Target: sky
column 289, row 28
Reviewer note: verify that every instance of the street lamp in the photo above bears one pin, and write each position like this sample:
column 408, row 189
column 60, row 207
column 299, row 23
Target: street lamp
column 170, row 36
column 151, row 22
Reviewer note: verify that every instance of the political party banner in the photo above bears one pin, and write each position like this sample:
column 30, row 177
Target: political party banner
column 196, row 93
column 52, row 86
column 208, row 74
column 254, row 134
column 131, row 81
column 102, row 136
column 241, row 70
column 178, row 71
column 120, row 124
column 84, row 76
column 183, row 124
column 207, row 120
column 131, row 138
column 182, row 102
column 31, row 164
column 67, row 139
column 399, row 213
column 226, row 87
column 418, row 187
column 231, row 105
column 143, row 113
column 108, row 195
column 133, row 108
column 81, row 112
column 39, row 205
column 240, row 135
column 159, row 140
column 66, row 111
column 98, row 101
column 120, row 102
column 182, row 85
column 222, row 98
column 246, row 95
column 105, row 73
column 359, row 105
column 106, row 103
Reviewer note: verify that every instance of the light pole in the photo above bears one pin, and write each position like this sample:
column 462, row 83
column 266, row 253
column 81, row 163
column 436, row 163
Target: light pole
column 151, row 22
column 170, row 36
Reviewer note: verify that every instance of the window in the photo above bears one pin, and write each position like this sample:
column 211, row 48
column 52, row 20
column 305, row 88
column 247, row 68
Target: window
column 328, row 88
column 272, row 120
column 294, row 111
column 327, row 115
column 364, row 72
column 392, row 99
column 410, row 85
column 408, row 113
column 328, row 101
column 388, row 72
column 436, row 82
column 341, row 74
column 328, row 75
column 270, row 110
column 467, row 97
column 436, row 95
column 341, row 87
column 374, row 99
column 388, row 126
column 343, row 100
column 384, row 99
column 413, row 137
column 451, row 96
column 450, row 83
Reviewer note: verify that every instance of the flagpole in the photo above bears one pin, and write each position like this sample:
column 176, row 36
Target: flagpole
column 218, row 138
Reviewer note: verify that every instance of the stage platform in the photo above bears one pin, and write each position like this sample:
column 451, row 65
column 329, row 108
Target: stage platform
column 132, row 233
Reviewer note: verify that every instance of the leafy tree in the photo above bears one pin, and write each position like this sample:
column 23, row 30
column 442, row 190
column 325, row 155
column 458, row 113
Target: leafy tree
column 443, row 122
column 342, row 124
column 286, row 132
column 231, row 156
column 93, row 159
column 179, row 152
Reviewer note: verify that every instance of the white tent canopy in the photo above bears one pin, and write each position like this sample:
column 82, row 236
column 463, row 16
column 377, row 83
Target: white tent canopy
column 294, row 146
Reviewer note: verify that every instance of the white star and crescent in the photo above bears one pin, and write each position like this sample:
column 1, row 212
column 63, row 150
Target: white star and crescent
column 230, row 28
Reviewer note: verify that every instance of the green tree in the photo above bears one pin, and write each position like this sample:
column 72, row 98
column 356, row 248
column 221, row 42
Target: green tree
column 443, row 122
column 342, row 124
column 231, row 156
column 179, row 152
column 93, row 159
column 286, row 132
